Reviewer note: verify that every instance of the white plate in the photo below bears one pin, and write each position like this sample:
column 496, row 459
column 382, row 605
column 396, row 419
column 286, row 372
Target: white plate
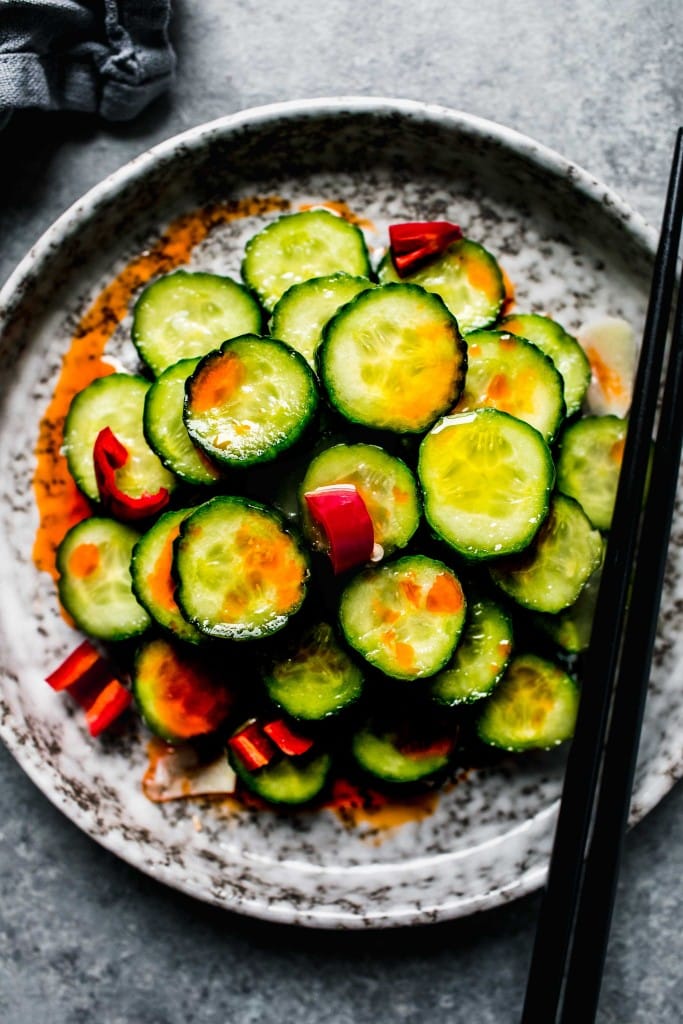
column 572, row 248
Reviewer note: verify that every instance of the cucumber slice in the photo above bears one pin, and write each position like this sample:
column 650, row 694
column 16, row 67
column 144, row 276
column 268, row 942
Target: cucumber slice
column 166, row 432
column 551, row 573
column 185, row 315
column 153, row 582
column 118, row 402
column 572, row 628
column 533, row 707
column 564, row 350
column 299, row 246
column 509, row 374
column 95, row 583
column 179, row 695
column 287, row 781
column 480, row 658
column 404, row 617
column 315, row 678
column 384, row 482
column 304, row 309
column 486, row 479
column 591, row 452
column 249, row 401
column 400, row 755
column 393, row 359
column 467, row 278
column 240, row 573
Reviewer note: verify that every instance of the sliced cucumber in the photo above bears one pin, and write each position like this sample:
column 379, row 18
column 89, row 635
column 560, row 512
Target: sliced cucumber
column 467, row 278
column 533, row 707
column 166, row 432
column 572, row 628
column 393, row 359
column 95, row 583
column 404, row 617
column 304, row 309
column 384, row 482
column 509, row 374
column 400, row 755
column 486, row 479
column 287, row 781
column 479, row 659
column 315, row 678
column 299, row 246
column 179, row 695
column 551, row 573
column 153, row 582
column 184, row 315
column 249, row 401
column 117, row 402
column 240, row 573
column 564, row 350
column 591, row 452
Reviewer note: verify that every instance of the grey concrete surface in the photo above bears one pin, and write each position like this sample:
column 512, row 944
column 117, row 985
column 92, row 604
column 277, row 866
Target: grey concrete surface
column 83, row 937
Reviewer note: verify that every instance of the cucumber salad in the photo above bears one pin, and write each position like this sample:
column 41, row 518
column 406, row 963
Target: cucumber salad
column 348, row 518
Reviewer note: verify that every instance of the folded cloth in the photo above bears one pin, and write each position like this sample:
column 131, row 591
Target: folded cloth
column 107, row 56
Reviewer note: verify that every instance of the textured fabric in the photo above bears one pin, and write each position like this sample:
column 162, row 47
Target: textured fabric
column 107, row 56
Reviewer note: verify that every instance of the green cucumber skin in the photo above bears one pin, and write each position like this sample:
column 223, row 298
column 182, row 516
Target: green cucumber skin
column 82, row 471
column 541, row 328
column 387, row 274
column 328, row 340
column 182, row 587
column 135, row 621
column 536, row 741
column 189, row 470
column 252, row 276
column 580, row 482
column 353, row 641
column 552, row 383
column 503, row 572
column 280, row 324
column 173, row 625
column 262, row 785
column 252, row 320
column 392, row 464
column 297, row 706
column 377, row 755
column 286, row 443
column 482, row 555
column 439, row 689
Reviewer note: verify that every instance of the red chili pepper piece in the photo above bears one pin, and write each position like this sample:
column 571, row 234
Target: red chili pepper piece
column 342, row 515
column 108, row 456
column 252, row 746
column 90, row 681
column 289, row 742
column 75, row 667
column 416, row 242
column 111, row 701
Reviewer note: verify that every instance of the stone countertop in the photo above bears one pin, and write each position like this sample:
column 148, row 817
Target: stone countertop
column 84, row 937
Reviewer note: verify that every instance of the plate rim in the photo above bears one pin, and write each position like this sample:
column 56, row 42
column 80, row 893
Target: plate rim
column 653, row 788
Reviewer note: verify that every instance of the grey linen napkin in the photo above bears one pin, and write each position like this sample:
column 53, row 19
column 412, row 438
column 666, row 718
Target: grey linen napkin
column 111, row 57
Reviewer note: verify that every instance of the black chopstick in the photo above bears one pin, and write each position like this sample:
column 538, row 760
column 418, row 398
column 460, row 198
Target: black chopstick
column 564, row 894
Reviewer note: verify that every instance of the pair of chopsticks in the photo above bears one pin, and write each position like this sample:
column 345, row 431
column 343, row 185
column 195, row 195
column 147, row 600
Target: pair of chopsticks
column 571, row 940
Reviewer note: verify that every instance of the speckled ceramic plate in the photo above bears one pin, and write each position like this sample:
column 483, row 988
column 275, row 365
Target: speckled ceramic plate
column 572, row 248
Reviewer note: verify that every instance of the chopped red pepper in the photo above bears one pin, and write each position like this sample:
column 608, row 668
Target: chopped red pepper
column 342, row 515
column 289, row 742
column 110, row 702
column 91, row 682
column 108, row 456
column 76, row 666
column 416, row 242
column 252, row 746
